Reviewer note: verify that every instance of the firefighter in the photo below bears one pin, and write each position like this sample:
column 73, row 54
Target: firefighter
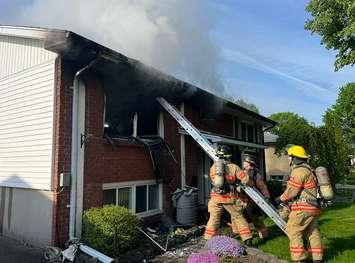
column 225, row 196
column 301, row 193
column 253, row 212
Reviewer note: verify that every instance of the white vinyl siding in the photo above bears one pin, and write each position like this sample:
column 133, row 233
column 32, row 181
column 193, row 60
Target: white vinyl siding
column 17, row 54
column 26, row 126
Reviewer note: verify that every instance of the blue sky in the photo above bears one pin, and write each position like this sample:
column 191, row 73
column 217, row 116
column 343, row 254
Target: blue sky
column 267, row 57
column 270, row 60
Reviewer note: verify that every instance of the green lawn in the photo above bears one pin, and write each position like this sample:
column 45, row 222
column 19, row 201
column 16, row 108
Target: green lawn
column 337, row 225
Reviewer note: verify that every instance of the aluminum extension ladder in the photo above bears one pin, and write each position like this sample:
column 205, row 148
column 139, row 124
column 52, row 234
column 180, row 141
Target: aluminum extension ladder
column 252, row 192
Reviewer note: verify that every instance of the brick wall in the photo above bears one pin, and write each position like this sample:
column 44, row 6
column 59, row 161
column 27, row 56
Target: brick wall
column 105, row 163
column 62, row 151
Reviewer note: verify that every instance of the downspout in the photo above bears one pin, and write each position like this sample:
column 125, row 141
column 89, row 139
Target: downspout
column 74, row 149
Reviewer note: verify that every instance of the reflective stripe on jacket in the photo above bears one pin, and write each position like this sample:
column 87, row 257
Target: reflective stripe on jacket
column 233, row 174
column 302, row 190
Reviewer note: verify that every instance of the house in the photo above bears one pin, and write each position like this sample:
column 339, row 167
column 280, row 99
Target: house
column 80, row 127
column 277, row 167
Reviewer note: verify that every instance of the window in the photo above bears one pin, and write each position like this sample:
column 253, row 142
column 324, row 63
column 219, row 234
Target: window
column 123, row 197
column 250, row 131
column 236, row 128
column 109, row 197
column 143, row 197
column 244, row 131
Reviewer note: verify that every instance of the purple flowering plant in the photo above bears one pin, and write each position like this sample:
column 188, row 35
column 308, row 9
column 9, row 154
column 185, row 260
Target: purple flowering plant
column 203, row 257
column 225, row 246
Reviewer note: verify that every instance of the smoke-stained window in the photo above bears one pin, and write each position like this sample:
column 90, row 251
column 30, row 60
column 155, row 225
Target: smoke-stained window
column 147, row 123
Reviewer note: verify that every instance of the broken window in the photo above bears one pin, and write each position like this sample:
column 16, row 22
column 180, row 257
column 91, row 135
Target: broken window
column 132, row 124
column 147, row 123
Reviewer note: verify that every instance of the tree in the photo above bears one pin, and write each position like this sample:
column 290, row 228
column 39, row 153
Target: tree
column 344, row 109
column 335, row 149
column 325, row 144
column 334, row 21
column 249, row 106
column 243, row 103
column 291, row 129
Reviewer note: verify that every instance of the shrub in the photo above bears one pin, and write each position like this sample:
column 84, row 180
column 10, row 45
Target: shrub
column 110, row 229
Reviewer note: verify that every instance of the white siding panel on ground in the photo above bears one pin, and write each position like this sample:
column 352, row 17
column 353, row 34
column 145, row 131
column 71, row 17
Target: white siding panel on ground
column 17, row 54
column 26, row 125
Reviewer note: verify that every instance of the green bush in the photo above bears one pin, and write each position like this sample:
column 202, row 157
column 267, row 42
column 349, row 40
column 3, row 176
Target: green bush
column 110, row 229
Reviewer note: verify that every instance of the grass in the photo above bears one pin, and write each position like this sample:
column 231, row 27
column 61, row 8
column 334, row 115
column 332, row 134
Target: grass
column 337, row 226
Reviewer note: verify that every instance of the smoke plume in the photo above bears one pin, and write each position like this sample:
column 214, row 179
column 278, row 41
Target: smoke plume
column 170, row 35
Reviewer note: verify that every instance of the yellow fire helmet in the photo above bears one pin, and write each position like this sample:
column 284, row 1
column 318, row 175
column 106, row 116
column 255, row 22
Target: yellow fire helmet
column 297, row 151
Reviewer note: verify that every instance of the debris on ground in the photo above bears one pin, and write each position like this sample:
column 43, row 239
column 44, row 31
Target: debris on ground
column 159, row 239
column 182, row 253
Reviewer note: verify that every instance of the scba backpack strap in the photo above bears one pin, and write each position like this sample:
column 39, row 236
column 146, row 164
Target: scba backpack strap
column 325, row 193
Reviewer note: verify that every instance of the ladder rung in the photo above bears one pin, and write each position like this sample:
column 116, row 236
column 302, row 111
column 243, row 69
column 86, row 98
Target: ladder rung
column 254, row 194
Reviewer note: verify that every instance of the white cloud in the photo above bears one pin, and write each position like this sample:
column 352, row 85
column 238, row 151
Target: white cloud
column 171, row 35
column 269, row 101
column 307, row 87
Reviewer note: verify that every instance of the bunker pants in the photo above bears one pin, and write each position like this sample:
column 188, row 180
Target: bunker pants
column 301, row 225
column 235, row 209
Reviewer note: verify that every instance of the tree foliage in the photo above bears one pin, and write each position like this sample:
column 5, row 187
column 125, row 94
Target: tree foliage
column 329, row 148
column 326, row 144
column 334, row 21
column 344, row 109
column 249, row 106
column 244, row 104
column 291, row 129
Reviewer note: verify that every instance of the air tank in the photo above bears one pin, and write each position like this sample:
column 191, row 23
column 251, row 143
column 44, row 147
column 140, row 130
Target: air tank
column 325, row 186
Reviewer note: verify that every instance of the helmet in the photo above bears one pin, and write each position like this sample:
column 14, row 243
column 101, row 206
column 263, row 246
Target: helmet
column 250, row 159
column 297, row 151
column 223, row 151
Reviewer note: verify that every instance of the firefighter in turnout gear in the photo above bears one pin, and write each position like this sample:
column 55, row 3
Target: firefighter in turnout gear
column 253, row 212
column 301, row 193
column 224, row 177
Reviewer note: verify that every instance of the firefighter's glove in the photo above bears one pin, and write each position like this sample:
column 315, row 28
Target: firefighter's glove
column 278, row 201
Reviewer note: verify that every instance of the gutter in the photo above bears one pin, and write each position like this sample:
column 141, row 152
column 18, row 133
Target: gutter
column 74, row 159
column 74, row 149
column 270, row 127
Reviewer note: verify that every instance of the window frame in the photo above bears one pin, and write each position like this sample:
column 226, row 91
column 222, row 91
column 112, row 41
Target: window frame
column 133, row 185
column 248, row 123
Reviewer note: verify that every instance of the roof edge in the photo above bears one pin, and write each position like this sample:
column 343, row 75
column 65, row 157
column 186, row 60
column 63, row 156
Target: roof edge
column 25, row 32
column 54, row 36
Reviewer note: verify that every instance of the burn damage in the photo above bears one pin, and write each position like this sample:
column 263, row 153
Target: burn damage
column 132, row 88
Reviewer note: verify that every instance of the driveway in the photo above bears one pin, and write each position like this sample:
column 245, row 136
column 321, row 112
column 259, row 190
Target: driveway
column 14, row 252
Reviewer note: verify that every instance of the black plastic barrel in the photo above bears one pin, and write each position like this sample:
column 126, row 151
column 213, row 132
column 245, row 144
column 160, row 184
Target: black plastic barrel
column 186, row 202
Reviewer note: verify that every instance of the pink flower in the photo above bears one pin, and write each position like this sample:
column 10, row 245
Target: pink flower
column 225, row 246
column 203, row 257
